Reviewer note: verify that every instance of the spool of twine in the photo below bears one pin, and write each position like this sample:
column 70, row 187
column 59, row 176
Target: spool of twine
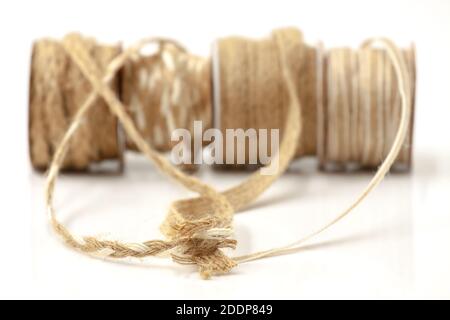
column 198, row 229
column 57, row 89
column 166, row 91
column 360, row 108
column 250, row 92
column 351, row 105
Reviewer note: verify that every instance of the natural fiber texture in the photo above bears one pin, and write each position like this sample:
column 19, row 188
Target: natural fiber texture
column 349, row 98
column 57, row 89
column 250, row 84
column 166, row 90
column 197, row 229
column 362, row 109
column 405, row 89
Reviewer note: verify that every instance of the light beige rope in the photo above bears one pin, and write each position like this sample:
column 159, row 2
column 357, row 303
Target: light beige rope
column 74, row 46
column 404, row 85
column 197, row 228
column 359, row 120
column 57, row 89
column 166, row 90
column 248, row 82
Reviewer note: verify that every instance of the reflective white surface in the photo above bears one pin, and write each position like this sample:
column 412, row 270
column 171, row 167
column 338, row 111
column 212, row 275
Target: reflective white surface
column 386, row 248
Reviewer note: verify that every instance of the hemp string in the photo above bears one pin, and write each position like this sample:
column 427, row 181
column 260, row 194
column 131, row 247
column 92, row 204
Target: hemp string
column 362, row 111
column 166, row 90
column 57, row 89
column 404, row 86
column 347, row 97
column 196, row 237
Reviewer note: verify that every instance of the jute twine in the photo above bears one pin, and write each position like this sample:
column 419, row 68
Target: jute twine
column 351, row 106
column 359, row 118
column 250, row 84
column 165, row 91
column 57, row 89
column 350, row 102
column 197, row 229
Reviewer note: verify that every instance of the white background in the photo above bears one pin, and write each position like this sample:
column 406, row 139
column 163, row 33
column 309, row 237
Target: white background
column 395, row 245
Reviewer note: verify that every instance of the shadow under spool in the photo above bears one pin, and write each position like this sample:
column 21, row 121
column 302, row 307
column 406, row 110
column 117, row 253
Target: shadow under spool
column 177, row 85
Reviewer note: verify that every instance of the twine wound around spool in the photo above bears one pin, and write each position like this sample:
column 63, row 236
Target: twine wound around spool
column 197, row 229
column 361, row 109
column 57, row 89
column 165, row 91
column 349, row 99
